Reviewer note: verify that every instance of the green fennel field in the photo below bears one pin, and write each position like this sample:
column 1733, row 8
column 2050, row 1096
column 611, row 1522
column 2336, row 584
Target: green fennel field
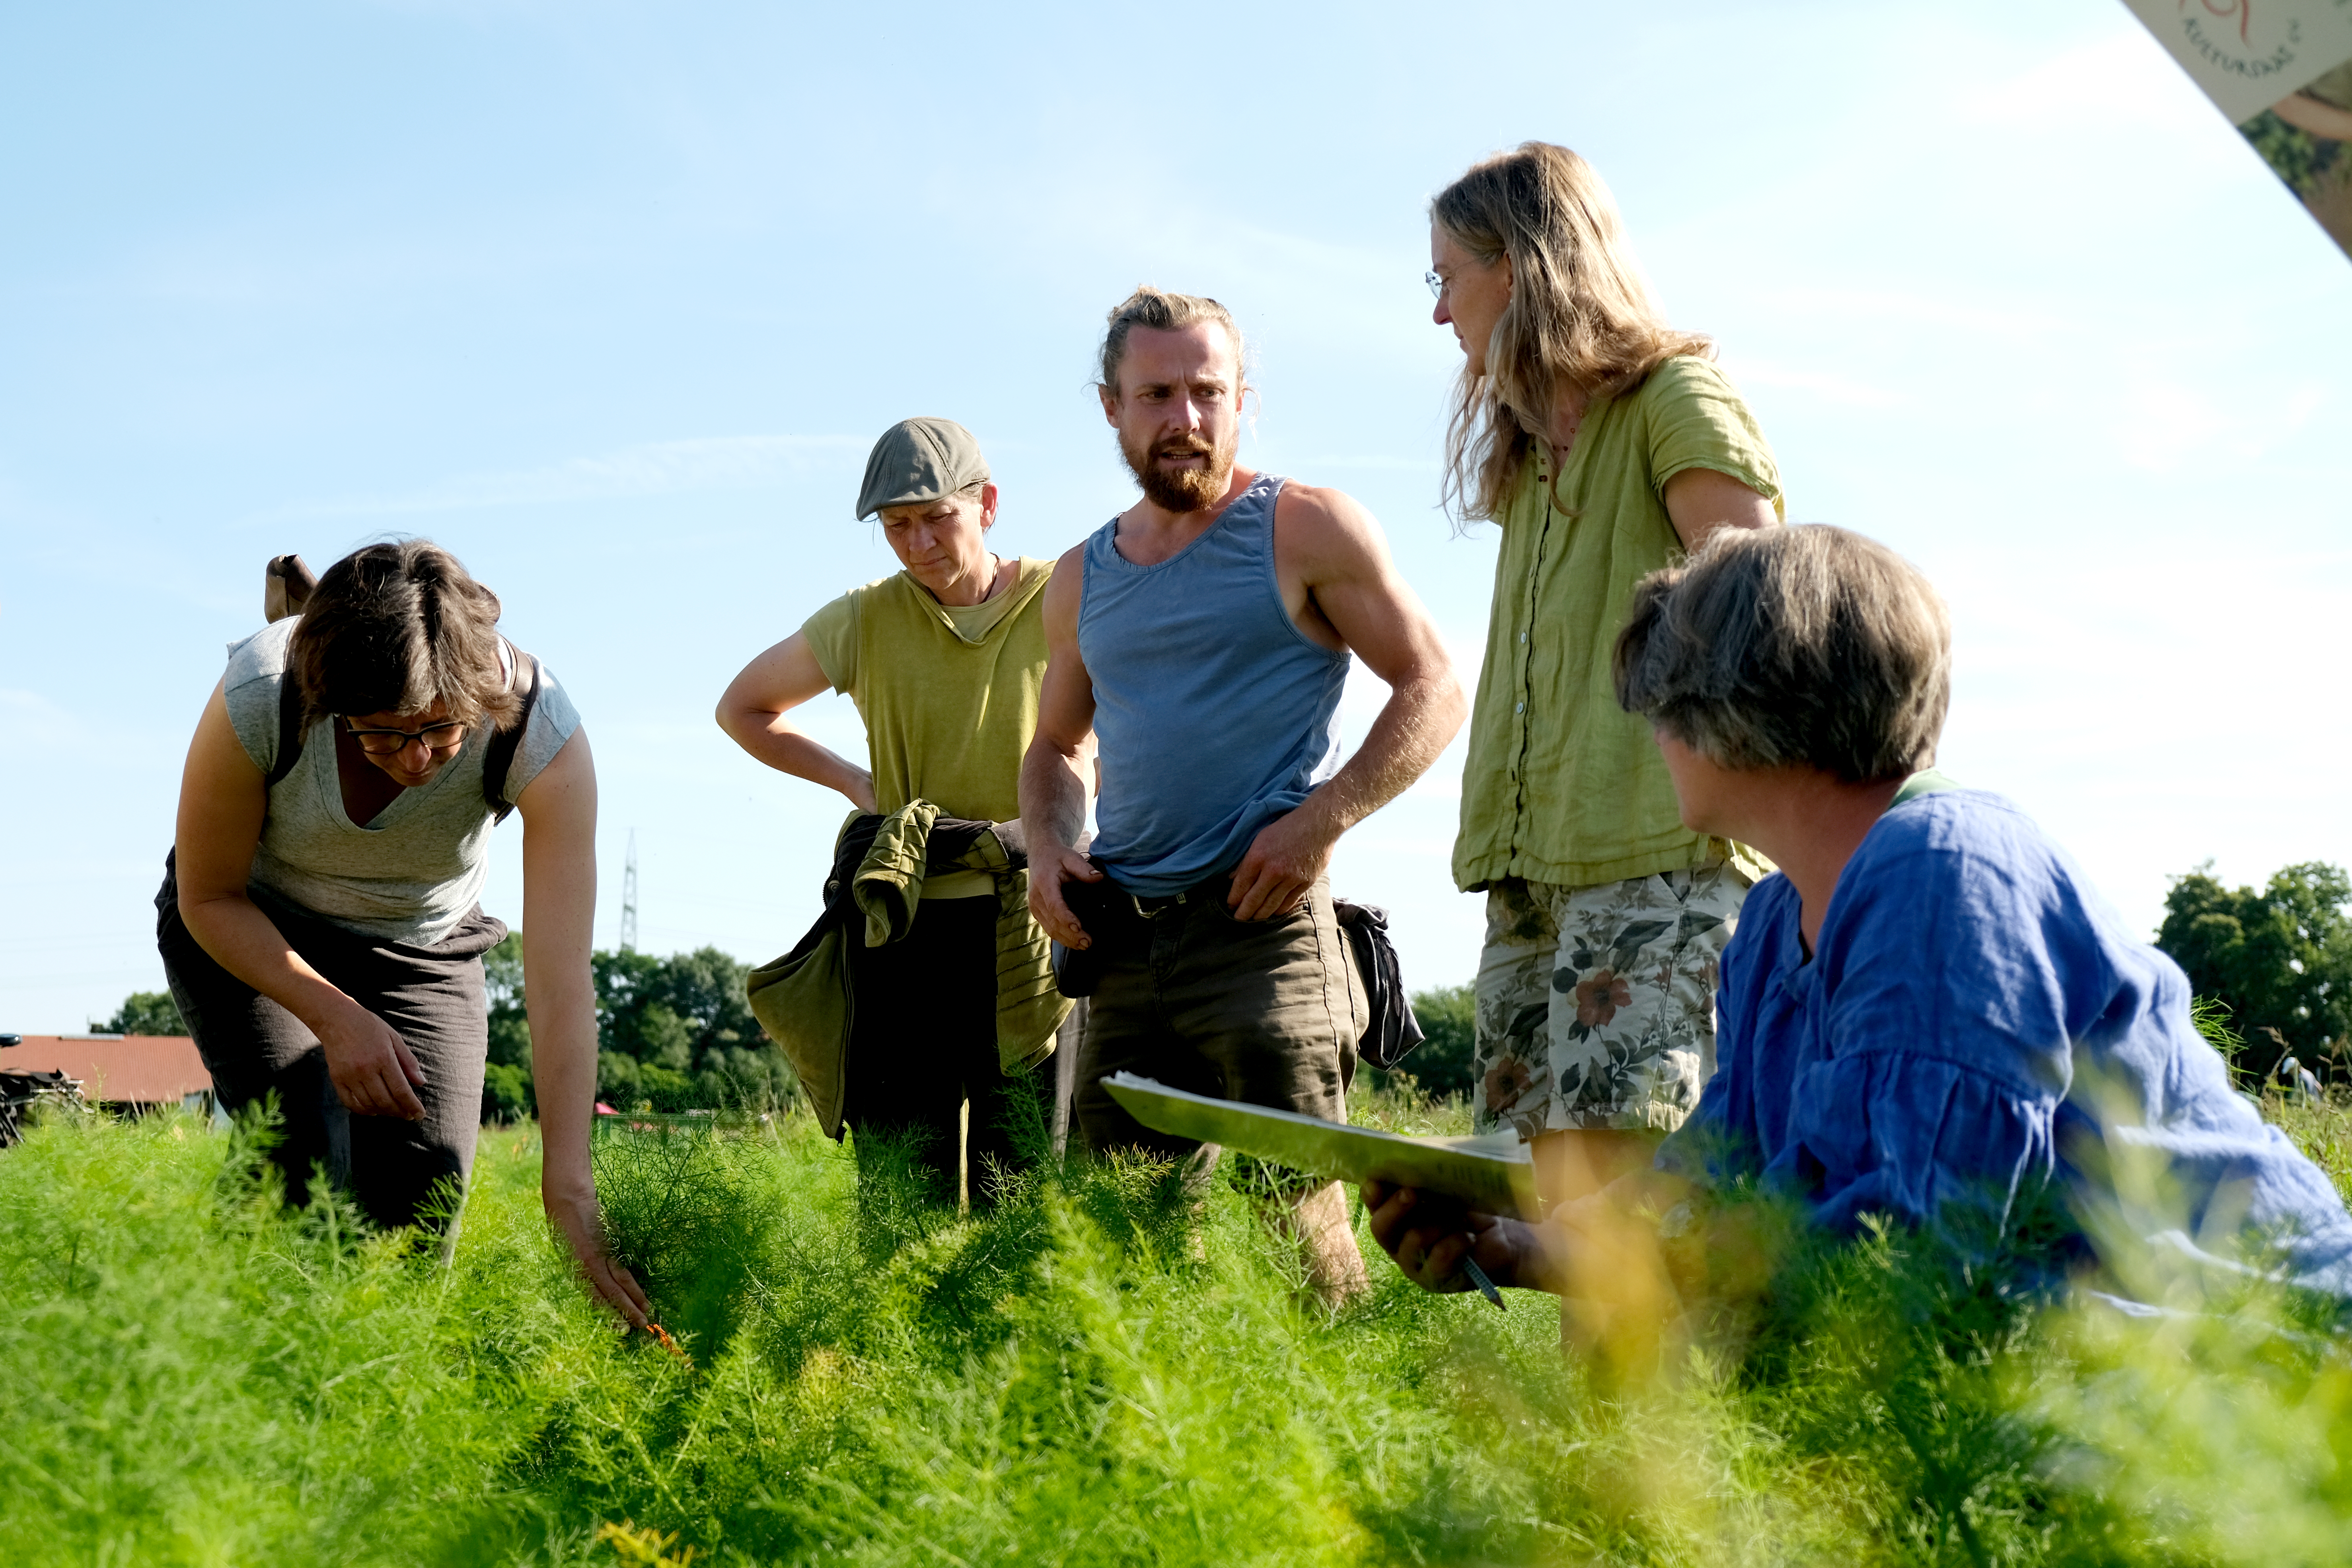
column 1082, row 1377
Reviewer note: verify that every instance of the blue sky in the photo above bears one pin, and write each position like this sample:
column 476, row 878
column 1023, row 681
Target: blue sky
column 611, row 299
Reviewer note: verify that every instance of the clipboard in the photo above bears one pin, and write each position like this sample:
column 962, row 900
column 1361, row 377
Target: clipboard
column 1492, row 1174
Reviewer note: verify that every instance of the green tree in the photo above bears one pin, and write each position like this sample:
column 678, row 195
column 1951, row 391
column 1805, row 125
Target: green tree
column 623, row 984
column 144, row 1013
column 1443, row 1064
column 508, row 1091
column 2279, row 958
column 664, row 1040
column 679, row 1032
column 509, row 1024
column 618, row 1081
column 676, row 1032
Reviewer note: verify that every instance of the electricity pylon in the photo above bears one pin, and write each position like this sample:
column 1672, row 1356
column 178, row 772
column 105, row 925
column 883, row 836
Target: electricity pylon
column 629, row 898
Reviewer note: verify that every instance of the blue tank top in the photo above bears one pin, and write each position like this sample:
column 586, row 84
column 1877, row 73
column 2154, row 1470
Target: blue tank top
column 1214, row 712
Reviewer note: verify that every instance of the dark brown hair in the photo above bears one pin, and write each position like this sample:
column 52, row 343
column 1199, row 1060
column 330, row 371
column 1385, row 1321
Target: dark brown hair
column 1581, row 311
column 392, row 628
column 1807, row 645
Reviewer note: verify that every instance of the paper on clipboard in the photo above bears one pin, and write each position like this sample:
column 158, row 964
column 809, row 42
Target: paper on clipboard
column 1493, row 1176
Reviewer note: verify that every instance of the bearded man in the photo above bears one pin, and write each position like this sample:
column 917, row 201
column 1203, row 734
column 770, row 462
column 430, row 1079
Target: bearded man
column 1202, row 637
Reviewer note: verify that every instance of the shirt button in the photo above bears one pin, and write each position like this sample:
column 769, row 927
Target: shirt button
column 1520, row 709
column 1523, row 636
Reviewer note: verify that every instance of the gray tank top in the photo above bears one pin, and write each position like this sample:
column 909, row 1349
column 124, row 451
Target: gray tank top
column 1214, row 710
column 416, row 872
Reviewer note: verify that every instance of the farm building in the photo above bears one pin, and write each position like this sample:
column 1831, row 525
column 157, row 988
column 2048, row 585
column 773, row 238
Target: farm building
column 131, row 1073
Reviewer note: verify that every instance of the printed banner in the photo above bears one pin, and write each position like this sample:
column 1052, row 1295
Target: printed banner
column 2282, row 71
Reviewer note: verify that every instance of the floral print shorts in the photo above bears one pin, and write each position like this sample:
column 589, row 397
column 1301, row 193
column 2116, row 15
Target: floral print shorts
column 1596, row 1006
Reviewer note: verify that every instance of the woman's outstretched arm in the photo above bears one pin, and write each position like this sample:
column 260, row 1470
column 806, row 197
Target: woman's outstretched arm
column 558, row 904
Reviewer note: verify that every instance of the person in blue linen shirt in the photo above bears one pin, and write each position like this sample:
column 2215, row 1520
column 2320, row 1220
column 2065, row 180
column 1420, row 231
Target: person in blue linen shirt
column 1927, row 1009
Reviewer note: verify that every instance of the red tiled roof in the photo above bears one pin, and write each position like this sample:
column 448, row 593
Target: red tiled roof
column 137, row 1069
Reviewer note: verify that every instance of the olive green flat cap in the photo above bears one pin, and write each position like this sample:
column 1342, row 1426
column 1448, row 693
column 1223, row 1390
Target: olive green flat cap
column 919, row 460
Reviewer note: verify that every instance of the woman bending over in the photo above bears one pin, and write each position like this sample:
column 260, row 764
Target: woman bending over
column 320, row 921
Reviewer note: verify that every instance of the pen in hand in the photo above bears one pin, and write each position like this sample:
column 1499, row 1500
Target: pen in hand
column 1485, row 1286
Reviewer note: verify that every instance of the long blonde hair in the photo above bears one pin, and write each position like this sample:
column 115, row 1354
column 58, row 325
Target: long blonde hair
column 1581, row 311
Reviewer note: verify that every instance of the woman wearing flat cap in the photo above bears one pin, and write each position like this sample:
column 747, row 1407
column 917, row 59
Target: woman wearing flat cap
column 943, row 659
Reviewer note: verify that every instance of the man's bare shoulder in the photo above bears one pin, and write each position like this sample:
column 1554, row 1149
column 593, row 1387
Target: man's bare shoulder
column 1326, row 524
column 1068, row 583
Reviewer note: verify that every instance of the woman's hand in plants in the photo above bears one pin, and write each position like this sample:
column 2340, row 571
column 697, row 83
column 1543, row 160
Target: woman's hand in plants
column 571, row 1209
column 1429, row 1235
column 369, row 1063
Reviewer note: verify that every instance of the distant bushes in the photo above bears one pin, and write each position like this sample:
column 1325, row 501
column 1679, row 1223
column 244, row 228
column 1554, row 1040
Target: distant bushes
column 143, row 1013
column 1441, row 1065
column 673, row 1034
column 2279, row 958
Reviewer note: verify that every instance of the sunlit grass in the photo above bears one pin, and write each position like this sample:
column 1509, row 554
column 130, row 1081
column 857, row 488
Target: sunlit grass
column 1092, row 1373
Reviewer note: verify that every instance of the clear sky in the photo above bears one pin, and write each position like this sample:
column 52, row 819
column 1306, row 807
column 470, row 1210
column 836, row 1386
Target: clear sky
column 612, row 299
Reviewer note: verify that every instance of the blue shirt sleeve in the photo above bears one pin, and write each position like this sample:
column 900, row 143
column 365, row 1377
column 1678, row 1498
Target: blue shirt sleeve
column 1975, row 1029
column 1916, row 1137
column 1865, row 1081
column 1952, row 983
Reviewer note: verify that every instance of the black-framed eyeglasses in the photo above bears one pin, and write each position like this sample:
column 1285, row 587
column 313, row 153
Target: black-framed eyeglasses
column 1436, row 284
column 385, row 743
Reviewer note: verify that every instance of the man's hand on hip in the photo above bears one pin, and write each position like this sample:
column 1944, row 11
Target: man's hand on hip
column 1284, row 861
column 1050, row 866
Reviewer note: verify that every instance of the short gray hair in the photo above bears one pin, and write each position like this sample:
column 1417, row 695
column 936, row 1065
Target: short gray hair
column 1809, row 646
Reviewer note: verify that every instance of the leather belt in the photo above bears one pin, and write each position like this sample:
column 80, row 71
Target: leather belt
column 1150, row 906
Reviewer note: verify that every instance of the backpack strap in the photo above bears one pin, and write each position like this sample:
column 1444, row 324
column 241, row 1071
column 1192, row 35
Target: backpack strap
column 499, row 761
column 290, row 731
column 286, row 586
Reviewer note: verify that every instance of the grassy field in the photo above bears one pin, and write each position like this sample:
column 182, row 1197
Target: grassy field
column 1087, row 1375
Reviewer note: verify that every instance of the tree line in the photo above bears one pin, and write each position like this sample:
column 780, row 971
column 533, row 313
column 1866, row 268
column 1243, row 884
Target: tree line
column 2278, row 957
column 673, row 1034
column 676, row 1033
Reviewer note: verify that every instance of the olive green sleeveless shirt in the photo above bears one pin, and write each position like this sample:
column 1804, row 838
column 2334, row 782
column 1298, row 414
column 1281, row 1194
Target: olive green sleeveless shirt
column 949, row 694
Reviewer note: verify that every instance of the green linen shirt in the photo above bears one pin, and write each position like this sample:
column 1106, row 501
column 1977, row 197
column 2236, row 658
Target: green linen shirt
column 1561, row 786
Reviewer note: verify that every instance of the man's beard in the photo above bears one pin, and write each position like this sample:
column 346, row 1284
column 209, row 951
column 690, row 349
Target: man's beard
column 1181, row 489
